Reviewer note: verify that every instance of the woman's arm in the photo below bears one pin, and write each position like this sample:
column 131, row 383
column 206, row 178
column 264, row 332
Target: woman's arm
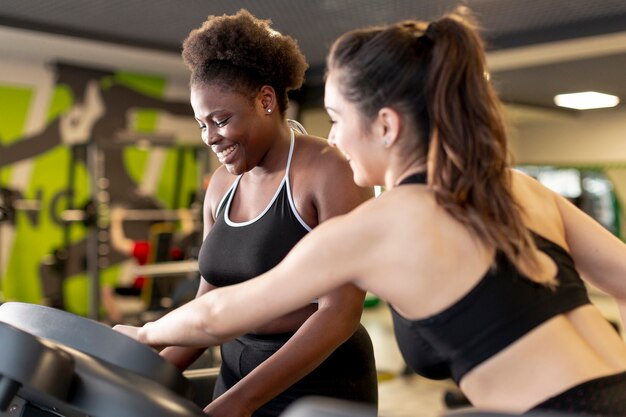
column 336, row 319
column 327, row 258
column 599, row 255
column 183, row 357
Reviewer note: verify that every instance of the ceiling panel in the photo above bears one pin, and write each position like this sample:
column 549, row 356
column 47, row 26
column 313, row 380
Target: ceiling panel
column 163, row 25
column 538, row 85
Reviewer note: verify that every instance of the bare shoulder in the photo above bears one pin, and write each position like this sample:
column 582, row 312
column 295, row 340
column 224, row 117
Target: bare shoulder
column 322, row 181
column 521, row 180
column 540, row 208
column 530, row 192
column 220, row 182
column 317, row 161
column 316, row 150
column 411, row 210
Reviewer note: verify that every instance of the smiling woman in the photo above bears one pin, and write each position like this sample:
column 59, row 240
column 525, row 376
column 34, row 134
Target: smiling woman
column 276, row 184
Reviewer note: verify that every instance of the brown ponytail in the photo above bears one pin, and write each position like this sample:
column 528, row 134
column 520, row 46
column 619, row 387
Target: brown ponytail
column 439, row 79
column 468, row 153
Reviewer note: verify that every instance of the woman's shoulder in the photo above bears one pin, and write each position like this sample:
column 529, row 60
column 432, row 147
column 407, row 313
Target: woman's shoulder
column 312, row 145
column 527, row 189
column 221, row 181
column 221, row 178
column 321, row 179
column 539, row 206
column 313, row 152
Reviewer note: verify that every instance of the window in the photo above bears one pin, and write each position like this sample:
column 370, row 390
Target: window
column 588, row 189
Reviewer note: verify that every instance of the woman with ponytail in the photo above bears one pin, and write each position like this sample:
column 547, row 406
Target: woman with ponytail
column 481, row 264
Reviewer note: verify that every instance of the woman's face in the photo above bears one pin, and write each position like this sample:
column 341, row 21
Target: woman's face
column 352, row 136
column 230, row 126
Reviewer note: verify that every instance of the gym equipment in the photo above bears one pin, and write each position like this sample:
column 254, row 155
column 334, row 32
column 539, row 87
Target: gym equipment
column 95, row 249
column 94, row 339
column 12, row 202
column 88, row 215
column 54, row 363
column 31, row 365
column 167, row 268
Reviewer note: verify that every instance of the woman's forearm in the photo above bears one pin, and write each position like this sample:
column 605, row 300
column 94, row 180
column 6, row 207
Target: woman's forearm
column 306, row 349
column 223, row 313
column 192, row 325
column 182, row 357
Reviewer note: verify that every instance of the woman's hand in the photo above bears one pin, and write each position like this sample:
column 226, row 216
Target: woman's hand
column 130, row 331
column 224, row 407
column 137, row 333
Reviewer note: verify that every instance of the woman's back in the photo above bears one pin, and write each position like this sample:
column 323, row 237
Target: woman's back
column 433, row 276
column 564, row 351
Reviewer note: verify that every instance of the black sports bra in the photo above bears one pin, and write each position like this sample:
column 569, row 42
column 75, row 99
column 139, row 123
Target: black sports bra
column 417, row 178
column 502, row 307
column 235, row 252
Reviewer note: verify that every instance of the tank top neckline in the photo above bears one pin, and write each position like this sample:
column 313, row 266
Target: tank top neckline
column 417, row 178
column 285, row 180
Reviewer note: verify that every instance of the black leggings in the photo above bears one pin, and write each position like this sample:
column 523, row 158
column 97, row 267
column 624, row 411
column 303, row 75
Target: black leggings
column 348, row 373
column 605, row 396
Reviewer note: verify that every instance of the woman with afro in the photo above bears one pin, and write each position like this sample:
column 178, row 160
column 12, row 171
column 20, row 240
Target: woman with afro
column 276, row 183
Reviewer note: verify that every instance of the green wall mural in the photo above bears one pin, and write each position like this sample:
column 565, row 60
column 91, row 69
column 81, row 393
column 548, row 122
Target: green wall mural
column 87, row 108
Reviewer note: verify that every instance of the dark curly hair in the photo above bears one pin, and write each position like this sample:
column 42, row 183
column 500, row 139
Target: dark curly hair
column 242, row 53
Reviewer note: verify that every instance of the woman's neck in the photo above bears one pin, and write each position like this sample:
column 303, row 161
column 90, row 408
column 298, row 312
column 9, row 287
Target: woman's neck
column 394, row 177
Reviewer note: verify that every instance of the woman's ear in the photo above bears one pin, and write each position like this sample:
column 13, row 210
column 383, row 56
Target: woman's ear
column 267, row 97
column 388, row 124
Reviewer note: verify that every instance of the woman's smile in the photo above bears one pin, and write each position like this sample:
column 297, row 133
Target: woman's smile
column 226, row 155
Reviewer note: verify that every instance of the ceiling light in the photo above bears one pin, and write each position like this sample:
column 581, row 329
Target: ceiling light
column 586, row 100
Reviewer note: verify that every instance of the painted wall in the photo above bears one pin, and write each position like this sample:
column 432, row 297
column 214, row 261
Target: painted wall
column 590, row 137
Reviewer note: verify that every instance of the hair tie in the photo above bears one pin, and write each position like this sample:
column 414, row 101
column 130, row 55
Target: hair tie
column 431, row 31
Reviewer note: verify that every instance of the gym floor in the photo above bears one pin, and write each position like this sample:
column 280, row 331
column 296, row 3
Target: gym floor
column 412, row 396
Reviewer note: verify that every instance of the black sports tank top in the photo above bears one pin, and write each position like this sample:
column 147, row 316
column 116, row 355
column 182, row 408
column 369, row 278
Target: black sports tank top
column 502, row 307
column 235, row 252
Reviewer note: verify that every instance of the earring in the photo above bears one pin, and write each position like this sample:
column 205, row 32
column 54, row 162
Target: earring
column 386, row 142
column 269, row 110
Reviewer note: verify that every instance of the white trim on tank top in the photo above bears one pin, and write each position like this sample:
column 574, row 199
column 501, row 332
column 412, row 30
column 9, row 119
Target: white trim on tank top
column 285, row 179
